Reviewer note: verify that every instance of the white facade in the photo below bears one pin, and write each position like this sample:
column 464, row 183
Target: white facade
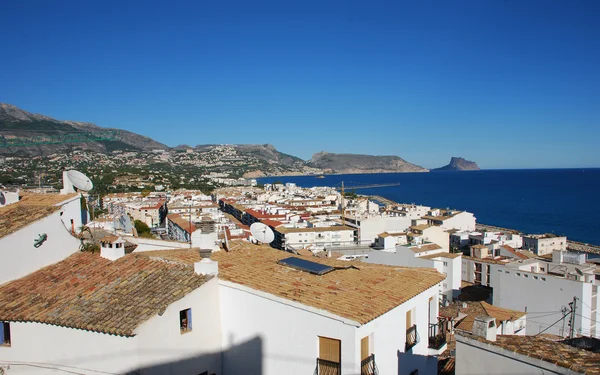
column 158, row 346
column 539, row 292
column 369, row 228
column 19, row 255
column 266, row 317
column 544, row 244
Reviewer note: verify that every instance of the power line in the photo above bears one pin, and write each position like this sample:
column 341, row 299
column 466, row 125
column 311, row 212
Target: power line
column 552, row 325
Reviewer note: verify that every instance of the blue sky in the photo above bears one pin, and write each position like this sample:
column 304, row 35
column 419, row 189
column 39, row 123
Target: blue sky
column 508, row 84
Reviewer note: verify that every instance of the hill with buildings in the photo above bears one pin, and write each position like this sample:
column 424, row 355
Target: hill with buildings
column 356, row 163
column 17, row 123
column 459, row 164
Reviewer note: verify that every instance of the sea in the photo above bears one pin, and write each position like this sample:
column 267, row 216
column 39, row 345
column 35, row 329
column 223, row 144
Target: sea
column 559, row 201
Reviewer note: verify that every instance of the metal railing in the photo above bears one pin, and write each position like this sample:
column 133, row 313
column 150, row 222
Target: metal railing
column 412, row 337
column 368, row 367
column 325, row 367
column 437, row 335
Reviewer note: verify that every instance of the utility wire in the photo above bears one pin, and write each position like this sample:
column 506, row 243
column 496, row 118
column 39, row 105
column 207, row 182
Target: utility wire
column 552, row 325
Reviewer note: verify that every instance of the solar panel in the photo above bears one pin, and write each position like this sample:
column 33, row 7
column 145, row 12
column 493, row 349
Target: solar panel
column 305, row 265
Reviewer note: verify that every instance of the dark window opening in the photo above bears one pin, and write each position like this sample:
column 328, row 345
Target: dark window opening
column 185, row 320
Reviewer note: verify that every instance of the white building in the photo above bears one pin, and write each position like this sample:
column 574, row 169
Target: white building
column 541, row 288
column 464, row 314
column 451, row 219
column 91, row 315
column 288, row 236
column 329, row 320
column 544, row 243
column 368, row 227
column 37, row 231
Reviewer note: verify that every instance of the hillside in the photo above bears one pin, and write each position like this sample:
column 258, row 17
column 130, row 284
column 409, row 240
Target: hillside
column 459, row 164
column 355, row 163
column 15, row 122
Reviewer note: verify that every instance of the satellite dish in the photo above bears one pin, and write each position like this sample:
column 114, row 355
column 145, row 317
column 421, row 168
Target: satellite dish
column 2, row 199
column 578, row 271
column 79, row 180
column 262, row 233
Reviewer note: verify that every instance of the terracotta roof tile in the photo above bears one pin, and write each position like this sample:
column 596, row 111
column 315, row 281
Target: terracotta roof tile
column 442, row 254
column 30, row 208
column 89, row 292
column 563, row 355
column 361, row 293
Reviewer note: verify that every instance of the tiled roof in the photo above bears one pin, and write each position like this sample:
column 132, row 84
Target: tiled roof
column 89, row 292
column 443, row 254
column 428, row 247
column 361, row 293
column 511, row 250
column 181, row 256
column 475, row 309
column 560, row 354
column 182, row 223
column 30, row 208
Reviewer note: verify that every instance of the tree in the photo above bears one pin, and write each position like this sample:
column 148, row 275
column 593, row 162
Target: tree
column 141, row 227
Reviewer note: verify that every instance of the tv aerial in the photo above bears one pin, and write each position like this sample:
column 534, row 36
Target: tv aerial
column 74, row 179
column 262, row 233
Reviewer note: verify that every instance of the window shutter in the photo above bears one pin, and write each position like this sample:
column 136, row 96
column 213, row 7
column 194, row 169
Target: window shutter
column 189, row 319
column 2, row 339
column 329, row 349
column 364, row 347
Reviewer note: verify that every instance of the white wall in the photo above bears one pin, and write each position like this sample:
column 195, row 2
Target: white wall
column 20, row 257
column 371, row 227
column 157, row 348
column 288, row 336
column 539, row 293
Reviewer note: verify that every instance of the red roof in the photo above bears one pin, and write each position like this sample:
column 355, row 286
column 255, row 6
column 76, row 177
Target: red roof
column 271, row 223
column 263, row 215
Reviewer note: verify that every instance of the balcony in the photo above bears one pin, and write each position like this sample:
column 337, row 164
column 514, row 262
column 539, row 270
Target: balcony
column 437, row 336
column 412, row 338
column 325, row 367
column 368, row 367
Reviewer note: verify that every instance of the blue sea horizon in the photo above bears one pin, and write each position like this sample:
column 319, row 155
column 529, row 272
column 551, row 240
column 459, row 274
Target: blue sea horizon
column 561, row 201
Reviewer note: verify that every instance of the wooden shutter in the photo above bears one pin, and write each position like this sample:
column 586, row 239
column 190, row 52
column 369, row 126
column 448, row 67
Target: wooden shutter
column 408, row 320
column 329, row 349
column 364, row 347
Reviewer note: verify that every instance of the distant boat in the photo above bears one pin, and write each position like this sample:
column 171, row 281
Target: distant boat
column 321, row 176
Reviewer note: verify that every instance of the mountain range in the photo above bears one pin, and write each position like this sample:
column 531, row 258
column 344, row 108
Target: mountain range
column 16, row 123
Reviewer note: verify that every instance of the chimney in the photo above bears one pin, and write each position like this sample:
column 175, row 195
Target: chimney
column 207, row 267
column 485, row 327
column 112, row 247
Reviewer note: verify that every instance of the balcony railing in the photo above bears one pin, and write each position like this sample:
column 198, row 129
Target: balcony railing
column 368, row 367
column 412, row 338
column 437, row 335
column 325, row 367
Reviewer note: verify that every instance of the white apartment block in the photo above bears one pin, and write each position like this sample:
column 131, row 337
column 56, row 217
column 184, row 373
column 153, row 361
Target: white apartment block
column 451, row 219
column 288, row 236
column 538, row 286
column 544, row 243
column 368, row 227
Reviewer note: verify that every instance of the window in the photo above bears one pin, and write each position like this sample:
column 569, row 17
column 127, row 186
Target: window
column 329, row 356
column 185, row 320
column 4, row 334
column 445, row 264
